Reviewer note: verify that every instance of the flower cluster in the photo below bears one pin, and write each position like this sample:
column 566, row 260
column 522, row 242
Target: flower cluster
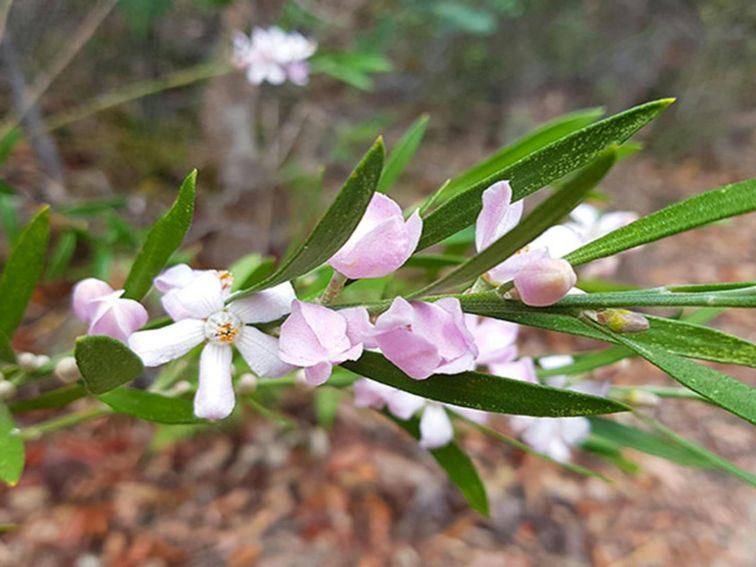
column 274, row 56
column 420, row 338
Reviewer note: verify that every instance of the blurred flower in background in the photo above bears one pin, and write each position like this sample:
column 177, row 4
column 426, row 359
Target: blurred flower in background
column 274, row 56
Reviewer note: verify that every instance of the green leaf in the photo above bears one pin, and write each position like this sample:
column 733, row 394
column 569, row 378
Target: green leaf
column 585, row 362
column 646, row 442
column 22, row 271
column 728, row 201
column 678, row 337
column 435, row 261
column 660, row 297
column 6, row 349
column 458, row 466
column 715, row 460
column 12, row 455
column 8, row 218
column 506, row 156
column 163, row 240
column 250, row 269
column 106, row 363
column 336, row 226
column 540, row 168
column 486, row 392
column 61, row 256
column 49, row 400
column 548, row 213
column 402, row 153
column 8, row 143
column 723, row 390
column 150, row 406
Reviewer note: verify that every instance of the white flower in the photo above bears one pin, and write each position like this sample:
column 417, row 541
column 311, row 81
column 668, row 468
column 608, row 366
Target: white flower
column 220, row 327
column 273, row 55
column 436, row 428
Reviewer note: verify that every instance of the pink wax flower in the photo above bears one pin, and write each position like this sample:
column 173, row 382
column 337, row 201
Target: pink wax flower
column 316, row 338
column 545, row 281
column 272, row 55
column 100, row 306
column 436, row 428
column 381, row 243
column 426, row 338
column 221, row 327
column 495, row 339
column 180, row 276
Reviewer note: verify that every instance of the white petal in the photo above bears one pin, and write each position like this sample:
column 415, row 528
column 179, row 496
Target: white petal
column 575, row 430
column 261, row 353
column 559, row 240
column 404, row 405
column 435, row 427
column 158, row 346
column 267, row 305
column 555, row 361
column 203, row 296
column 215, row 395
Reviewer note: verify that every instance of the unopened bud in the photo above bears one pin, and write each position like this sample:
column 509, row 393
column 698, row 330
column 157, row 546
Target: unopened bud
column 544, row 282
column 643, row 398
column 247, row 383
column 42, row 360
column 66, row 370
column 7, row 390
column 27, row 361
column 622, row 320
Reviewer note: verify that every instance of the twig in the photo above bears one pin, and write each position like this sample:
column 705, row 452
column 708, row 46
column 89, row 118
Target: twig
column 36, row 431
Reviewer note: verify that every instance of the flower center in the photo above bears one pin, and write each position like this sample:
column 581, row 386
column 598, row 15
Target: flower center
column 226, row 279
column 222, row 328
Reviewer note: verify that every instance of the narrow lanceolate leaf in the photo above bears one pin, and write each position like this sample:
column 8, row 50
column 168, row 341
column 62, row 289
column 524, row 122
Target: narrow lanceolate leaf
column 335, row 227
column 458, row 466
column 11, row 448
column 715, row 460
column 721, row 389
column 49, row 400
column 22, row 270
column 163, row 240
column 548, row 213
column 660, row 297
column 646, row 442
column 402, row 153
column 106, row 363
column 540, row 168
column 150, row 406
column 725, row 202
column 486, row 392
column 6, row 349
column 678, row 337
column 549, row 132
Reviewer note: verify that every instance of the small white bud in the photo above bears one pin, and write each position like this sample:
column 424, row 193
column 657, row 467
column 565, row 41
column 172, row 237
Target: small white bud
column 42, row 359
column 66, row 370
column 7, row 390
column 27, row 361
column 247, row 383
column 643, row 398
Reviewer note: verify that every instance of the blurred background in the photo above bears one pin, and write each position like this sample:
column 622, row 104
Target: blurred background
column 116, row 101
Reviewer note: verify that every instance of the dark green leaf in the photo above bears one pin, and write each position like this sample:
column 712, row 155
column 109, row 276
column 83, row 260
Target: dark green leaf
column 506, row 156
column 8, row 143
column 163, row 240
column 22, row 271
column 548, row 213
column 49, row 400
column 6, row 349
column 486, row 392
column 458, row 466
column 721, row 389
column 106, row 363
column 150, row 406
column 250, row 269
column 12, row 454
column 646, row 442
column 61, row 256
column 660, row 297
column 8, row 218
column 435, row 261
column 540, row 168
column 402, row 153
column 722, row 203
column 336, row 226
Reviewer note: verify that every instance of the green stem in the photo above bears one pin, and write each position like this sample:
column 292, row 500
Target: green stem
column 333, row 289
column 36, row 431
column 662, row 391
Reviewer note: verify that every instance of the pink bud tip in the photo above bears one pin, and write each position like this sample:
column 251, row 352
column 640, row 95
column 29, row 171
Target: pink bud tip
column 545, row 281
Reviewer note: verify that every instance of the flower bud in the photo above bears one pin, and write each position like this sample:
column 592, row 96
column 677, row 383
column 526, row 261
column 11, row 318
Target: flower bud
column 247, row 384
column 642, row 398
column 66, row 370
column 544, row 281
column 27, row 361
column 622, row 320
column 42, row 360
column 7, row 390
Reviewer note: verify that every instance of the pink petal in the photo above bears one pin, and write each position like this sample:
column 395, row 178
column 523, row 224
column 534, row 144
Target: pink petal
column 371, row 394
column 359, row 328
column 261, row 353
column 545, row 282
column 267, row 305
column 158, row 346
column 509, row 268
column 318, row 374
column 436, row 429
column 84, row 293
column 118, row 318
column 522, row 369
column 414, row 355
column 178, row 276
column 497, row 216
column 313, row 334
column 215, row 396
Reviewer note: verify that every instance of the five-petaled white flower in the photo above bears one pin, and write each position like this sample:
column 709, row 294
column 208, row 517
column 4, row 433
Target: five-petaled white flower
column 220, row 327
